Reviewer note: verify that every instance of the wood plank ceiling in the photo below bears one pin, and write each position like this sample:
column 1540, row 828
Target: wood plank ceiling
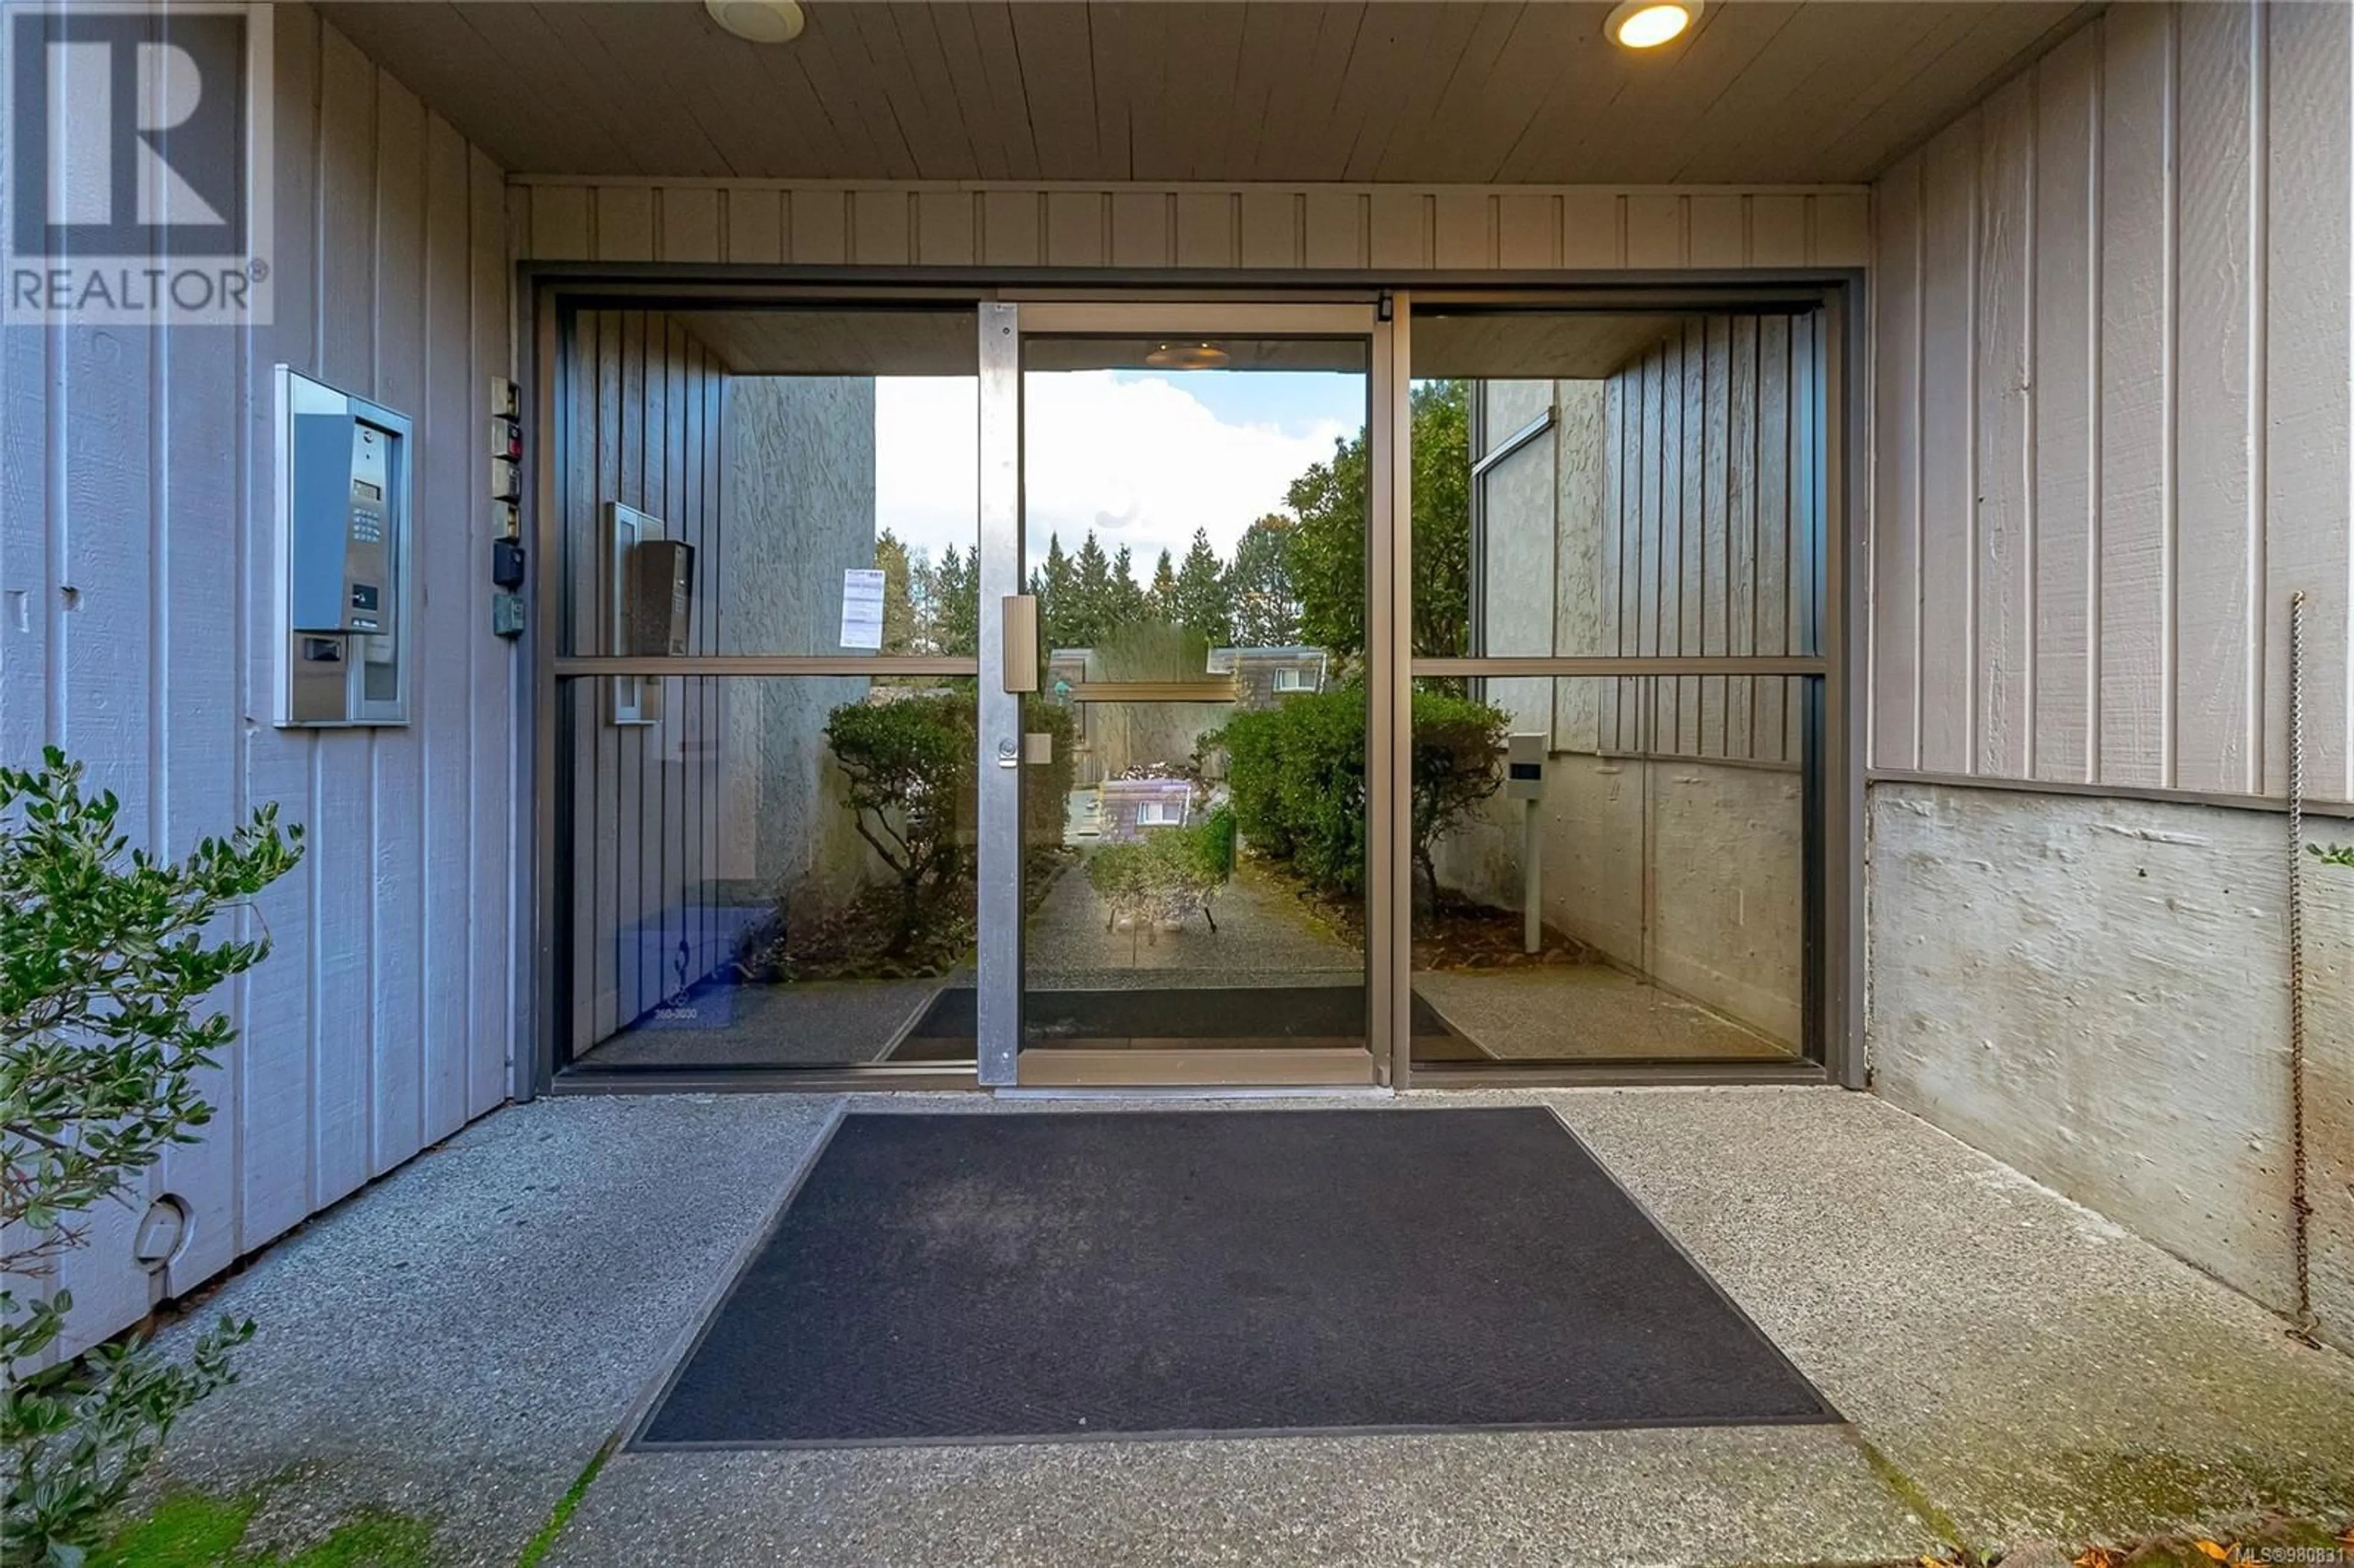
column 1293, row 91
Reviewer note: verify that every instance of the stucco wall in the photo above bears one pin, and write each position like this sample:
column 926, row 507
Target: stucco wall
column 2096, row 991
column 799, row 510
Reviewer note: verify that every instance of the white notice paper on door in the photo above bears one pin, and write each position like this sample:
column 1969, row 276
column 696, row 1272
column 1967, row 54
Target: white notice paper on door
column 862, row 607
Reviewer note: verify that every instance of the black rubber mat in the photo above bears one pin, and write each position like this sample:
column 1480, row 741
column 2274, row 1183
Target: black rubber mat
column 1206, row 1017
column 985, row 1276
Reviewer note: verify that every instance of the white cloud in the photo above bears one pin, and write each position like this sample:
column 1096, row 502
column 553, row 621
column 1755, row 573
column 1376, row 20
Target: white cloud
column 1142, row 461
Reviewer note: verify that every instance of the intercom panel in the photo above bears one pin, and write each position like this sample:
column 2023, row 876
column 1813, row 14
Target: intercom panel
column 346, row 556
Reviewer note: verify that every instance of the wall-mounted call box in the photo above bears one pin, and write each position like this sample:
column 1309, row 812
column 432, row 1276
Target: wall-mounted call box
column 346, row 561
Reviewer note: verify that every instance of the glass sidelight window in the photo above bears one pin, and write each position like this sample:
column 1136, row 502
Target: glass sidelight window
column 1617, row 593
column 767, row 710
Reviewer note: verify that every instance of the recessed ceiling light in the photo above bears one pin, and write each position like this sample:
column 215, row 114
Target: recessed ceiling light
column 758, row 21
column 1186, row 357
column 1647, row 24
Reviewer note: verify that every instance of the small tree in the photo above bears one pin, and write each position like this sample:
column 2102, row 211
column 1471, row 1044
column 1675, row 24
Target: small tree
column 909, row 763
column 104, row 968
column 1459, row 745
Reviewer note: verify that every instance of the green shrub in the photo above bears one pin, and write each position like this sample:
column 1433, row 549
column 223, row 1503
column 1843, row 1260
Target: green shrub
column 1047, row 786
column 1458, row 745
column 1296, row 774
column 105, row 970
column 1165, row 876
column 910, row 767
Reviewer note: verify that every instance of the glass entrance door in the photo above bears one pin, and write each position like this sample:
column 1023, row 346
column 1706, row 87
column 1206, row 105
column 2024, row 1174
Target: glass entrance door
column 1186, row 685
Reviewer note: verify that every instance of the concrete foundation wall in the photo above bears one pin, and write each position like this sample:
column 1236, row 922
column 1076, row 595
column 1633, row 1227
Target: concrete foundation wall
column 1687, row 872
column 2096, row 991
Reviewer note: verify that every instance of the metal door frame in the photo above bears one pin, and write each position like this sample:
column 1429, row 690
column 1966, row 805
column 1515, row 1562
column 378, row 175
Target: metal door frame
column 1003, row 326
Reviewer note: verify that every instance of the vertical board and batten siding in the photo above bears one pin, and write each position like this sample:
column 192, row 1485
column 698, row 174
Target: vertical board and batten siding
column 646, row 415
column 1384, row 228
column 141, row 634
column 1713, row 529
column 2111, row 413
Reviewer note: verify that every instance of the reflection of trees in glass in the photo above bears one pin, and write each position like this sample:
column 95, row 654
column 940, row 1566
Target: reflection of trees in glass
column 1259, row 587
column 1328, row 549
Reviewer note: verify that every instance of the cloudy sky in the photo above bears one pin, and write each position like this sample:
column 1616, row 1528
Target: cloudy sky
column 1141, row 457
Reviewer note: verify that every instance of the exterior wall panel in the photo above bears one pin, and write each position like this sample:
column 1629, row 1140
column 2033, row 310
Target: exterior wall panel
column 1407, row 228
column 137, row 562
column 2111, row 418
column 2085, row 538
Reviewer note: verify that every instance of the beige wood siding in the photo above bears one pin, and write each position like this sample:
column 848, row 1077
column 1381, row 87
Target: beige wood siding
column 1384, row 228
column 136, row 557
column 646, row 421
column 2111, row 413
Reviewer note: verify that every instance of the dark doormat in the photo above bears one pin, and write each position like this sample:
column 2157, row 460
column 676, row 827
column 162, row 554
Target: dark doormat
column 962, row 1278
column 1204, row 1017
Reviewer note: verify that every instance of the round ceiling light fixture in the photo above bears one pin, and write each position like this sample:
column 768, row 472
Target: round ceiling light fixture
column 1187, row 356
column 1647, row 24
column 758, row 21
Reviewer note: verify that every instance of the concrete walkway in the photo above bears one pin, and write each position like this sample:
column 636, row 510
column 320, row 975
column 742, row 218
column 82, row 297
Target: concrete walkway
column 1265, row 935
column 461, row 1341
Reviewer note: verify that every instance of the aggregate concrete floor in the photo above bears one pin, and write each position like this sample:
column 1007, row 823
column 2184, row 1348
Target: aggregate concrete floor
column 460, row 1340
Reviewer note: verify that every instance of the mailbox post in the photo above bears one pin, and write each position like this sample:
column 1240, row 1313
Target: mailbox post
column 1524, row 757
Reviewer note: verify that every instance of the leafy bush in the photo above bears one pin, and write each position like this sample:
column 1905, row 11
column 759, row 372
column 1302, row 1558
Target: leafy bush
column 104, row 968
column 1459, row 745
column 910, row 767
column 1047, row 786
column 1167, row 875
column 2336, row 854
column 1298, row 776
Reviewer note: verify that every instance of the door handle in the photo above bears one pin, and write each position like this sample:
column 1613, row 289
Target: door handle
column 1019, row 650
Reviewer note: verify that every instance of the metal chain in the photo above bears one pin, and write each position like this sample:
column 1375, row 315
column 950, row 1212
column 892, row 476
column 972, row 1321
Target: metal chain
column 2303, row 1326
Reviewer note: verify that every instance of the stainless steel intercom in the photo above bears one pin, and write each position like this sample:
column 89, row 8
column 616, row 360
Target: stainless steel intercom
column 346, row 557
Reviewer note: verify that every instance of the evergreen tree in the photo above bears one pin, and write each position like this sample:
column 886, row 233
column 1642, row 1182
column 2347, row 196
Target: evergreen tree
column 1259, row 587
column 1091, row 592
column 951, row 598
column 1126, row 606
column 1052, row 585
column 898, row 593
column 1161, row 597
column 1200, row 598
